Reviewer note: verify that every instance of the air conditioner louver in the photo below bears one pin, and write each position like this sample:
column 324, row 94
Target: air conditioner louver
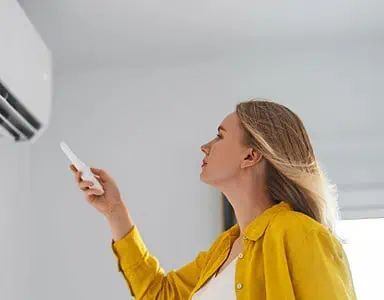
column 15, row 118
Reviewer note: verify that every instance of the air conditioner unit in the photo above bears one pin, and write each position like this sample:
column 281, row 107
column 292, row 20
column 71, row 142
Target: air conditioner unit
column 25, row 76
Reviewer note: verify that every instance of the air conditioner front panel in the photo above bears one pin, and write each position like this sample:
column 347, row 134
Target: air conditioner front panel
column 25, row 61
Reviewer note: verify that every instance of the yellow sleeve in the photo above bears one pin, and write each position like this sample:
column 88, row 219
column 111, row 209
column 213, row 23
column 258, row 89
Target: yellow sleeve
column 320, row 269
column 144, row 276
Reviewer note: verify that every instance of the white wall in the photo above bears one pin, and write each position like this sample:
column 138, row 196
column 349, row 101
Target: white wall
column 16, row 222
column 122, row 121
column 145, row 126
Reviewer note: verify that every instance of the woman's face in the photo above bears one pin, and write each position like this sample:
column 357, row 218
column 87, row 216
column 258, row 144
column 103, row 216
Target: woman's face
column 225, row 154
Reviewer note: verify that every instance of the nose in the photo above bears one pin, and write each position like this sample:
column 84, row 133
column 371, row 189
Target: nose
column 204, row 148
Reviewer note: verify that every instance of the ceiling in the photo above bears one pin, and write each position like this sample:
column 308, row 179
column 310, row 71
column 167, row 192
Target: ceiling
column 96, row 31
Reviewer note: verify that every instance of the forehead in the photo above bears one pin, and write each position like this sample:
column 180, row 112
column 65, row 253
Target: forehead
column 231, row 122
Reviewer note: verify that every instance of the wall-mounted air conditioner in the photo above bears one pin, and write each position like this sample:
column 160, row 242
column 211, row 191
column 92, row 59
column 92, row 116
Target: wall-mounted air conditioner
column 25, row 76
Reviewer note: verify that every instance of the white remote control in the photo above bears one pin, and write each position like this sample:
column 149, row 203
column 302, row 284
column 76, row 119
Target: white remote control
column 81, row 166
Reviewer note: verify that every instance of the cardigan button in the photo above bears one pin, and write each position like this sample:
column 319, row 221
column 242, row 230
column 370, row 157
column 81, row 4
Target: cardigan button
column 241, row 255
column 239, row 286
column 245, row 237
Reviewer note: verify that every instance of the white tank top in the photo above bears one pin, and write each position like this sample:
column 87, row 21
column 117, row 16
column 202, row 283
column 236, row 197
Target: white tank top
column 221, row 287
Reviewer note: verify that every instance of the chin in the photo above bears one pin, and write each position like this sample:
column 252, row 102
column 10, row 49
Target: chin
column 202, row 177
column 205, row 179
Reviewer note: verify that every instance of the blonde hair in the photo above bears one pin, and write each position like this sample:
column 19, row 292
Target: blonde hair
column 293, row 172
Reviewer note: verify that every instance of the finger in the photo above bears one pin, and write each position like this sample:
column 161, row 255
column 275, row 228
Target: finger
column 73, row 168
column 85, row 184
column 78, row 177
column 95, row 192
column 101, row 173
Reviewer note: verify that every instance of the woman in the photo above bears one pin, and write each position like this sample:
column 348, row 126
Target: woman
column 283, row 246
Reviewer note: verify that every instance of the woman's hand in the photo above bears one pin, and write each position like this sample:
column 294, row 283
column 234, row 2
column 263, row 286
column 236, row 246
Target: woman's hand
column 107, row 202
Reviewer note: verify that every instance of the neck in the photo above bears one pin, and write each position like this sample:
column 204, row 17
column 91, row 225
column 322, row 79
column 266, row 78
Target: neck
column 249, row 201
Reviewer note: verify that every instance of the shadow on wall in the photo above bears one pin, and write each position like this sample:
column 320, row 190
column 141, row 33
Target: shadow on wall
column 229, row 218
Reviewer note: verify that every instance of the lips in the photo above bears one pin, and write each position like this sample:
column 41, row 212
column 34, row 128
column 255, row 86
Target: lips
column 204, row 163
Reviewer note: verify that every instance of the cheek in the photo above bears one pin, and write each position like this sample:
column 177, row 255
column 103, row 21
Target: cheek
column 226, row 155
column 222, row 165
column 218, row 173
column 228, row 167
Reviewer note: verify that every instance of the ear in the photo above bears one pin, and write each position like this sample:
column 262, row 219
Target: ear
column 252, row 157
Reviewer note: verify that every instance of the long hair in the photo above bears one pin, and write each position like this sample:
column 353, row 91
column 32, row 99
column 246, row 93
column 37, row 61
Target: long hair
column 293, row 172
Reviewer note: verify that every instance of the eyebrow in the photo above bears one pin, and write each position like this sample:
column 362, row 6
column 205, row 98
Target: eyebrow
column 221, row 128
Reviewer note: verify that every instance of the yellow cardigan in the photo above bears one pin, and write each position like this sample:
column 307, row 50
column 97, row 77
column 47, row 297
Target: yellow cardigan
column 286, row 256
